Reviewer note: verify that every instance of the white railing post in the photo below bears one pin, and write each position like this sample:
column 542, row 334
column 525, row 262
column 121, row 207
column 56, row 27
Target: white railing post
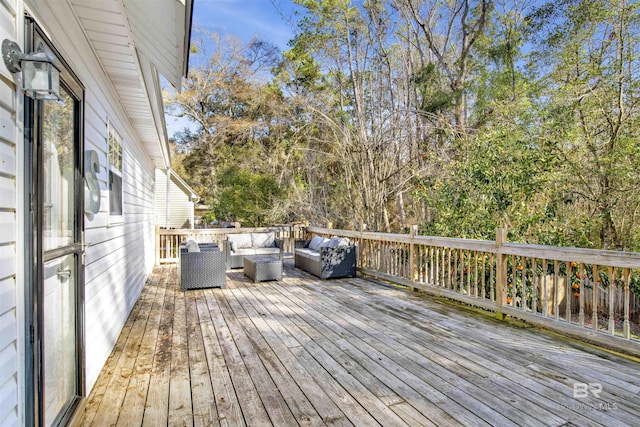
column 361, row 255
column 157, row 245
column 413, row 232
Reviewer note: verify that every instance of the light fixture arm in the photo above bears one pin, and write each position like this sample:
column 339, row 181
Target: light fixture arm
column 12, row 56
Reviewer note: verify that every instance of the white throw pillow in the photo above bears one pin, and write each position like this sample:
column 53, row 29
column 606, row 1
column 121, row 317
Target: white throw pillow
column 263, row 240
column 326, row 243
column 242, row 240
column 315, row 242
column 192, row 246
column 343, row 241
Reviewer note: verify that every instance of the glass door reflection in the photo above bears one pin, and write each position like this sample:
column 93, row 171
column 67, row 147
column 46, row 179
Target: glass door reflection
column 59, row 242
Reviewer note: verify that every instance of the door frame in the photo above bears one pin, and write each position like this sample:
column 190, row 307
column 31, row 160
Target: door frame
column 34, row 252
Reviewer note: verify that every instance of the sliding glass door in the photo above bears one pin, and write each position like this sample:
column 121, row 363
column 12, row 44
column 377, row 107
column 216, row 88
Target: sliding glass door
column 53, row 130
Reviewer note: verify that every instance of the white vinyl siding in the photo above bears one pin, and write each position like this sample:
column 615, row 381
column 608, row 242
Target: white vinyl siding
column 180, row 203
column 121, row 255
column 9, row 326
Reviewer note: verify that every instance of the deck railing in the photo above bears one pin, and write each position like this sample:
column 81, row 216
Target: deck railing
column 168, row 240
column 580, row 292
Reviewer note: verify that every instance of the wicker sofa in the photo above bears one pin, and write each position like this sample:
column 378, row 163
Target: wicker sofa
column 201, row 266
column 239, row 245
column 326, row 258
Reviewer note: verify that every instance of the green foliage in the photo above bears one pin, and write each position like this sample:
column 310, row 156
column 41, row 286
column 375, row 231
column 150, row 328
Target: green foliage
column 435, row 99
column 458, row 116
column 246, row 197
column 209, row 217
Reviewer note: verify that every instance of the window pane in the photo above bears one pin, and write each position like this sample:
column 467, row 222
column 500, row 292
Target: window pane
column 115, row 149
column 59, row 339
column 115, row 172
column 59, row 195
column 115, row 194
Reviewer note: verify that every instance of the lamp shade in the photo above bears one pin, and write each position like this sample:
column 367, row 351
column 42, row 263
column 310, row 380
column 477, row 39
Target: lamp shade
column 40, row 77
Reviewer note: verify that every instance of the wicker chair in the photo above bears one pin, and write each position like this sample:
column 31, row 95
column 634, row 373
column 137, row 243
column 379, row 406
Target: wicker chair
column 204, row 269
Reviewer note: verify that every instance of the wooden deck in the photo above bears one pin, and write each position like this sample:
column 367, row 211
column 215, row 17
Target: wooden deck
column 345, row 352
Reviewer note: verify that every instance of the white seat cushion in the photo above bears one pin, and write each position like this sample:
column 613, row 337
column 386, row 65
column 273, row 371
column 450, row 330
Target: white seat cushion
column 245, row 252
column 267, row 251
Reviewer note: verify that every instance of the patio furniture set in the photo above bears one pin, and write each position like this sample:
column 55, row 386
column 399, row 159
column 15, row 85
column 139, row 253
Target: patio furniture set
column 260, row 255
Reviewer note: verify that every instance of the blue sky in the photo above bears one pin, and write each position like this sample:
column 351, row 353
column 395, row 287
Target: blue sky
column 246, row 18
column 268, row 19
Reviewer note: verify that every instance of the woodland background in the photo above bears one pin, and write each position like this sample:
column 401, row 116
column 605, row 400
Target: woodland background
column 460, row 116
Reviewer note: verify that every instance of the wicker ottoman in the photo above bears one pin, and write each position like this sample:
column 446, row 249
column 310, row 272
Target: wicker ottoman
column 261, row 268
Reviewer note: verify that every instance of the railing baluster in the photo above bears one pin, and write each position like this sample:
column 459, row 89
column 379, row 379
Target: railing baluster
column 431, row 270
column 612, row 299
column 492, row 277
column 419, row 261
column 440, row 268
column 483, row 290
column 461, row 269
column 534, row 285
column 556, row 290
column 447, row 268
column 523, row 275
column 545, row 288
column 475, row 274
column 468, row 269
column 626, row 330
column 514, row 282
column 426, row 263
column 582, row 299
column 443, row 271
column 569, row 291
column 456, row 283
column 594, row 310
column 429, row 266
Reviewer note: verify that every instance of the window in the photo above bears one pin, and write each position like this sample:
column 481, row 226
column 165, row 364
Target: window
column 115, row 172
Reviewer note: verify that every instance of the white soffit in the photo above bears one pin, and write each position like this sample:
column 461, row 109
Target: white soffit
column 159, row 28
column 115, row 29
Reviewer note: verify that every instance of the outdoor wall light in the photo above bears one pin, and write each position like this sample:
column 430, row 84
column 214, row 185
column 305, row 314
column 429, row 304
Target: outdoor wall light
column 40, row 77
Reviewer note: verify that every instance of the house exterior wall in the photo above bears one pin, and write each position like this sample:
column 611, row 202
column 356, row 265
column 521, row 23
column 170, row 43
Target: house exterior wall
column 10, row 294
column 180, row 204
column 121, row 253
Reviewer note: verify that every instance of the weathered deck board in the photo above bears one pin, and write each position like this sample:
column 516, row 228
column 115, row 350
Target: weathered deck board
column 155, row 412
column 440, row 353
column 123, row 366
column 343, row 352
column 560, row 365
column 180, row 403
column 136, row 396
column 204, row 412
